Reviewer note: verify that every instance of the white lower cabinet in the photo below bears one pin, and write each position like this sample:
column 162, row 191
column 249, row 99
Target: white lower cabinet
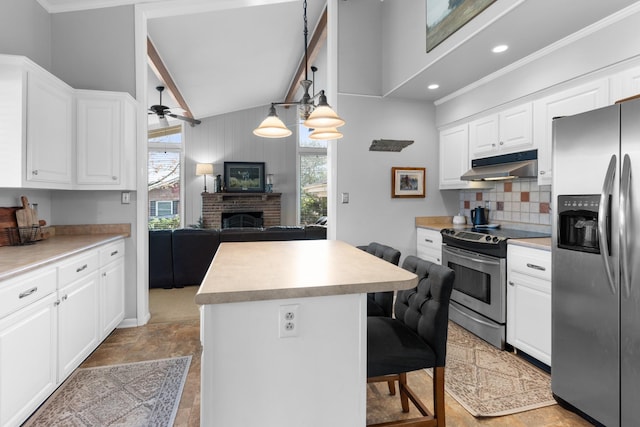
column 429, row 245
column 111, row 288
column 529, row 301
column 51, row 319
column 78, row 323
column 28, row 348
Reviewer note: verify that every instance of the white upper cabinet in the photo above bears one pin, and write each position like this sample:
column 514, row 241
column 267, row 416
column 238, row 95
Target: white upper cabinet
column 105, row 140
column 36, row 127
column 625, row 84
column 454, row 157
column 565, row 103
column 55, row 137
column 49, row 130
column 501, row 133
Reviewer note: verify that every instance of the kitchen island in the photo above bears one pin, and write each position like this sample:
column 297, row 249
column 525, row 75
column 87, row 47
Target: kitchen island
column 284, row 332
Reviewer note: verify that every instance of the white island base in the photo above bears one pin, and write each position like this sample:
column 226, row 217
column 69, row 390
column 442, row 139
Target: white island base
column 252, row 377
column 256, row 370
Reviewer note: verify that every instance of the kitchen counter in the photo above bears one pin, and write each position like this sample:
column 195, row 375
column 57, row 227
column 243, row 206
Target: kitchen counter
column 436, row 223
column 543, row 243
column 255, row 271
column 287, row 321
column 16, row 260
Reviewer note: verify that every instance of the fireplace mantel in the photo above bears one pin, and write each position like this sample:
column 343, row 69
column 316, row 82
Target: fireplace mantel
column 214, row 204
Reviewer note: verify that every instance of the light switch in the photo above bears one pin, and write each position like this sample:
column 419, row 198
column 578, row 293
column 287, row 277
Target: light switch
column 126, row 198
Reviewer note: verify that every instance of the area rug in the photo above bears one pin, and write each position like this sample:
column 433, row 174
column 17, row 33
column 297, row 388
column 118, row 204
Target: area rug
column 490, row 382
column 133, row 394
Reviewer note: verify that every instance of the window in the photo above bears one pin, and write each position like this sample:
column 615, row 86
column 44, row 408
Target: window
column 164, row 176
column 312, row 178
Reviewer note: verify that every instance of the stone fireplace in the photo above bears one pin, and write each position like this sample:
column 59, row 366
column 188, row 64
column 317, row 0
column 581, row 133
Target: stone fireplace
column 214, row 205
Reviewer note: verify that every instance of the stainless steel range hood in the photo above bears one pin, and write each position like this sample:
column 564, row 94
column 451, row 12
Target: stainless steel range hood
column 506, row 166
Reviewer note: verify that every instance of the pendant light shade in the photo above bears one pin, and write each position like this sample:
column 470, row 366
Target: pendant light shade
column 323, row 116
column 272, row 126
column 325, row 134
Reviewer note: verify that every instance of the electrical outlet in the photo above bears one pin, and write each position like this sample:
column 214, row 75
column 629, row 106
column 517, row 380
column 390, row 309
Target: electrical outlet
column 345, row 197
column 288, row 321
column 126, row 198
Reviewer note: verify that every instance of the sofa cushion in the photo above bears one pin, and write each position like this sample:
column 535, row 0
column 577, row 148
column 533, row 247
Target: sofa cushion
column 160, row 259
column 193, row 250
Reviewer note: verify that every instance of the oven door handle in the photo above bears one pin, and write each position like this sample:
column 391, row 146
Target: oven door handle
column 469, row 257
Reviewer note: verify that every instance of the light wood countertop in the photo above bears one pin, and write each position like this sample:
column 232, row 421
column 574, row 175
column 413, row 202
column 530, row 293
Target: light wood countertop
column 16, row 260
column 256, row 271
column 543, row 243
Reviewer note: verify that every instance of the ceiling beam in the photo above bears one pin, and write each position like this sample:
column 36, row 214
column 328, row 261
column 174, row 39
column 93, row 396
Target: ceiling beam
column 317, row 41
column 163, row 74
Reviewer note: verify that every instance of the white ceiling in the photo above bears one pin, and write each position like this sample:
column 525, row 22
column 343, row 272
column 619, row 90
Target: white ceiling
column 231, row 55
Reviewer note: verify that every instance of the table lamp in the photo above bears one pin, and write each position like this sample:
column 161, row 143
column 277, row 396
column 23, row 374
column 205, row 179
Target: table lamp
column 204, row 169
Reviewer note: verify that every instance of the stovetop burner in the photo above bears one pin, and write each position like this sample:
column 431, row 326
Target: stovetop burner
column 488, row 241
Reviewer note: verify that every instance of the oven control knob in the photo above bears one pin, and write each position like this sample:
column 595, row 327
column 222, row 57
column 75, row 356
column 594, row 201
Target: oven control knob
column 488, row 238
column 495, row 239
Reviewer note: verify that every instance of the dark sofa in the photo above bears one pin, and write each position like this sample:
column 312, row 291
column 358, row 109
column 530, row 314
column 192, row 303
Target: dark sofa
column 181, row 257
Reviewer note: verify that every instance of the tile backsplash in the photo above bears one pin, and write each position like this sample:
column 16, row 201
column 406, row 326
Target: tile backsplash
column 518, row 201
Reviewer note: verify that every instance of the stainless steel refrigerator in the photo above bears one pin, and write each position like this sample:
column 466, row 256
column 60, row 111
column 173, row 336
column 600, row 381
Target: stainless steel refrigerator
column 595, row 355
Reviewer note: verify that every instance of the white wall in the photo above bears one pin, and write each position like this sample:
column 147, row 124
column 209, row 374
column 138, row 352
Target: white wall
column 94, row 49
column 25, row 29
column 371, row 214
column 229, row 137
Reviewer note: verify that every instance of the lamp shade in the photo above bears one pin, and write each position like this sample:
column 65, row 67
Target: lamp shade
column 204, row 169
column 272, row 126
column 323, row 116
column 324, row 134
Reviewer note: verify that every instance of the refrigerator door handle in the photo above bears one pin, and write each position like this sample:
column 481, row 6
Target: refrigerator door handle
column 625, row 194
column 603, row 230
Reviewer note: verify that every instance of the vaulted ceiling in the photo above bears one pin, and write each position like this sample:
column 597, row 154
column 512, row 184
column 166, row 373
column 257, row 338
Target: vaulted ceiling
column 229, row 55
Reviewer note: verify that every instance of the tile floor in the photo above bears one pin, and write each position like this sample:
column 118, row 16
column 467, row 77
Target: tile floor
column 162, row 340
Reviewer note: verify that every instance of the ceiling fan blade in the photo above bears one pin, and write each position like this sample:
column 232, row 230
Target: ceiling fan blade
column 187, row 119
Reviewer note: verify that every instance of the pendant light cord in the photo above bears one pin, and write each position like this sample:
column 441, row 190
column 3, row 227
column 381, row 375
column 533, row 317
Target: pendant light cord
column 306, row 32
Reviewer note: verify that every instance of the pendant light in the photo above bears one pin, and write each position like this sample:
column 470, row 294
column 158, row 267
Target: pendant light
column 272, row 126
column 320, row 117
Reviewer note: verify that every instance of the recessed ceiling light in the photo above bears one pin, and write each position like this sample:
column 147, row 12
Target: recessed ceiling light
column 433, row 86
column 500, row 48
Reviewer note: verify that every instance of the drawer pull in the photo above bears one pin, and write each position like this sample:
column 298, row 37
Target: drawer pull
column 511, row 283
column 79, row 269
column 114, row 253
column 428, row 240
column 28, row 292
column 536, row 267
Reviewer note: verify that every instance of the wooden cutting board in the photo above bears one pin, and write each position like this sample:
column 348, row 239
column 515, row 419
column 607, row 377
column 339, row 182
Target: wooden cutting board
column 7, row 220
column 26, row 217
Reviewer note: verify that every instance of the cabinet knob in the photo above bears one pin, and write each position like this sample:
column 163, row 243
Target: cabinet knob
column 34, row 172
column 493, row 145
column 511, row 283
column 115, row 178
column 541, row 172
column 501, row 143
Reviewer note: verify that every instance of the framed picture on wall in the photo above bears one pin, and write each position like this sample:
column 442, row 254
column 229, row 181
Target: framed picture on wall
column 408, row 182
column 445, row 17
column 244, row 177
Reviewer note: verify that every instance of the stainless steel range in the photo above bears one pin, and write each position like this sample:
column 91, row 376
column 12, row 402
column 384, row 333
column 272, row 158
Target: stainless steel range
column 479, row 297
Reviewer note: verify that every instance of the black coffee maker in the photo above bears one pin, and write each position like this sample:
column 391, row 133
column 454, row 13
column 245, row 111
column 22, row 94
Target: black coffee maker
column 479, row 216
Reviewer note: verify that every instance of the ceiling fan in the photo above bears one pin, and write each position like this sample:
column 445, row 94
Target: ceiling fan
column 162, row 110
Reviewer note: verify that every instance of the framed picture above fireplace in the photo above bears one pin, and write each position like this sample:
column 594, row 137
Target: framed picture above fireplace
column 244, row 177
